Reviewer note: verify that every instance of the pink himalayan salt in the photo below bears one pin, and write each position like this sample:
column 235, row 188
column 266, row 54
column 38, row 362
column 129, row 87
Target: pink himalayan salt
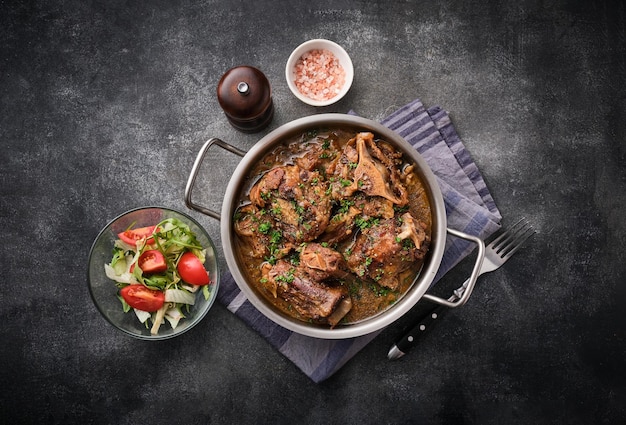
column 319, row 75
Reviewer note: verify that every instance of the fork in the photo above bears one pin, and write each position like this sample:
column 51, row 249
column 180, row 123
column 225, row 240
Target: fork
column 497, row 253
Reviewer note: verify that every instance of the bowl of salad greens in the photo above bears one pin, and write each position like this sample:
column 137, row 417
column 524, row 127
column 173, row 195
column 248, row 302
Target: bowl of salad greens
column 153, row 273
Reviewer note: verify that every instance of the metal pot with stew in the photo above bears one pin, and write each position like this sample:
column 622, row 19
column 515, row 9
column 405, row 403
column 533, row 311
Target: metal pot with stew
column 332, row 225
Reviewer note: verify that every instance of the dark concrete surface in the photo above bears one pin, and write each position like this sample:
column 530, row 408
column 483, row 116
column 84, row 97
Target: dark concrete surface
column 104, row 105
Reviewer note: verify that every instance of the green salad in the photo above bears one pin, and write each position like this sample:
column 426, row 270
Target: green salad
column 158, row 271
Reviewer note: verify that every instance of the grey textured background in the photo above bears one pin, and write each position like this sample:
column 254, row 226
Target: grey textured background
column 104, row 105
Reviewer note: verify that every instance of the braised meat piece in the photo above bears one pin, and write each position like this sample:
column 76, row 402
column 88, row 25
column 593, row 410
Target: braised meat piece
column 319, row 154
column 296, row 200
column 341, row 224
column 341, row 171
column 255, row 244
column 375, row 206
column 370, row 168
column 310, row 299
column 259, row 239
column 386, row 248
column 344, row 220
column 303, row 286
column 321, row 262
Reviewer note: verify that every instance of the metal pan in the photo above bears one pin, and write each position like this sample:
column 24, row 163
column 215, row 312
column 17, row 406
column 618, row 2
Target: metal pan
column 238, row 183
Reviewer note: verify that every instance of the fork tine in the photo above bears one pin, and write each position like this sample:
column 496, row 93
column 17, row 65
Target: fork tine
column 514, row 245
column 520, row 243
column 504, row 238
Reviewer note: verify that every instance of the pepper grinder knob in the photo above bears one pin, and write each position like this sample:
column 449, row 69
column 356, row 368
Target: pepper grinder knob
column 243, row 88
column 244, row 93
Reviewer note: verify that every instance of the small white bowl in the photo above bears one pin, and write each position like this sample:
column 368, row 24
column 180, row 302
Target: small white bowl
column 319, row 44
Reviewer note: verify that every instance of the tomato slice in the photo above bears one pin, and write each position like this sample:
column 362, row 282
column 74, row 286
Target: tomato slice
column 191, row 269
column 131, row 236
column 152, row 261
column 142, row 298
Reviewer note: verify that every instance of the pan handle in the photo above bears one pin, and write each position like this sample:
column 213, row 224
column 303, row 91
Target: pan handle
column 455, row 301
column 194, row 174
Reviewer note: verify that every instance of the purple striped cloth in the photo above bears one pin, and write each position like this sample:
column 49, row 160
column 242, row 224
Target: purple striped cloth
column 469, row 208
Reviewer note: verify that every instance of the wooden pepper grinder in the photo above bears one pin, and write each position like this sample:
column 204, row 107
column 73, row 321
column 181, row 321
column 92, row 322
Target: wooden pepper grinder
column 244, row 94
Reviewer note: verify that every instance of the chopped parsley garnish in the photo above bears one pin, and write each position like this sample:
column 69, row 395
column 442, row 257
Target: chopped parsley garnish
column 345, row 205
column 364, row 223
column 287, row 277
column 276, row 237
column 380, row 291
column 265, row 228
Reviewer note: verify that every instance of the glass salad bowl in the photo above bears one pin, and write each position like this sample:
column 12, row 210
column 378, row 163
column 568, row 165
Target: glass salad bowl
column 105, row 293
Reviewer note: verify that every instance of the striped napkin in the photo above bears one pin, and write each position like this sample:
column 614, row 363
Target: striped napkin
column 469, row 208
